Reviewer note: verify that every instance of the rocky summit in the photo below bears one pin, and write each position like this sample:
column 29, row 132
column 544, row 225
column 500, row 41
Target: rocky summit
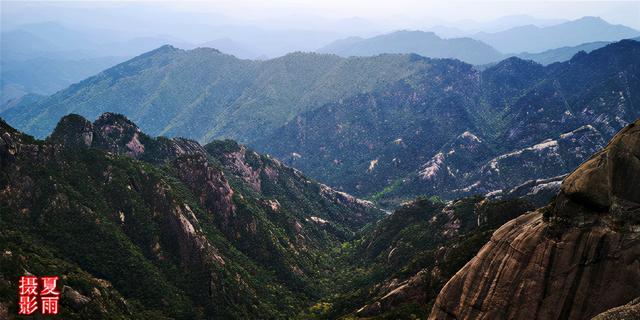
column 573, row 259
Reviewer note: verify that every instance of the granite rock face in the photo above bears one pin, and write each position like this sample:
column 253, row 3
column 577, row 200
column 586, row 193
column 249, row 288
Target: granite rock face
column 573, row 259
column 207, row 183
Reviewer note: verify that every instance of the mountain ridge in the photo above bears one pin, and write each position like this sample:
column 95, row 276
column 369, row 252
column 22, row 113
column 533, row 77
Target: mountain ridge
column 141, row 220
column 241, row 85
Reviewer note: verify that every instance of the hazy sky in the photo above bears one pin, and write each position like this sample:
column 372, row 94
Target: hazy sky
column 394, row 13
column 270, row 28
column 624, row 12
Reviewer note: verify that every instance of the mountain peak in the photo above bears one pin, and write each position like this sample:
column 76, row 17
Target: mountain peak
column 73, row 131
column 117, row 134
column 416, row 32
column 515, row 66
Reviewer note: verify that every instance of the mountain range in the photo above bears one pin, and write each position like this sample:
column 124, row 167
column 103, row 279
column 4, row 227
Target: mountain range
column 372, row 126
column 554, row 43
column 42, row 58
column 203, row 93
column 420, row 135
column 570, row 33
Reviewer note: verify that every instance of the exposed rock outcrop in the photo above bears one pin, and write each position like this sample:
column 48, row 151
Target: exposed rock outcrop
column 75, row 299
column 243, row 163
column 630, row 310
column 116, row 134
column 573, row 259
column 207, row 183
column 175, row 228
column 269, row 177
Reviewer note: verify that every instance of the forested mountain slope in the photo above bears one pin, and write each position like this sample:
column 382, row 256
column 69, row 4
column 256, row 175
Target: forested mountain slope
column 205, row 94
column 139, row 227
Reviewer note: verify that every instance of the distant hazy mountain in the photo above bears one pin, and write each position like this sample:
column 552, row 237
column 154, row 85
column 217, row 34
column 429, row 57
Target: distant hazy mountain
column 531, row 38
column 22, row 100
column 34, row 40
column 504, row 23
column 46, row 57
column 47, row 75
column 561, row 54
column 67, row 44
column 49, row 40
column 467, row 28
column 448, row 31
column 20, row 44
column 427, row 44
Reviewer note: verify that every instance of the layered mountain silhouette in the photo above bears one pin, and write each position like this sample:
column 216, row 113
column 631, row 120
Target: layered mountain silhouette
column 426, row 44
column 562, row 54
column 553, row 43
column 535, row 39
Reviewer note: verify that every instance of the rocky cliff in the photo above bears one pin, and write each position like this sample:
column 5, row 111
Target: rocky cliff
column 574, row 259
